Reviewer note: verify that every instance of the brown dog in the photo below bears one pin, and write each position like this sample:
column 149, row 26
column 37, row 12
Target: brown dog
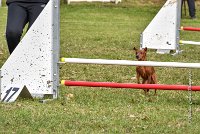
column 147, row 73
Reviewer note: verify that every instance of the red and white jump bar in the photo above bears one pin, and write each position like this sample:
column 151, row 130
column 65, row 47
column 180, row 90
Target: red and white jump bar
column 129, row 85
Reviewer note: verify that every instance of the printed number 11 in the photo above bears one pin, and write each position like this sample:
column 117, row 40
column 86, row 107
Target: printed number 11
column 15, row 89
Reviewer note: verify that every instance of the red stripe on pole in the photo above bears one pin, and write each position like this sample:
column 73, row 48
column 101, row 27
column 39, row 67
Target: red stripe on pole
column 190, row 28
column 129, row 85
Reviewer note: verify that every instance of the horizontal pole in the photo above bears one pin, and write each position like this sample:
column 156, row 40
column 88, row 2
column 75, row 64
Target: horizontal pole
column 190, row 29
column 92, row 0
column 189, row 42
column 130, row 63
column 129, row 85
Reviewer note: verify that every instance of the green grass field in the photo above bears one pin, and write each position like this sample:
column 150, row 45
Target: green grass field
column 108, row 31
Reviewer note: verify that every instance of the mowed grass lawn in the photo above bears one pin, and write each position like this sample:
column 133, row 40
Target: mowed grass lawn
column 108, row 31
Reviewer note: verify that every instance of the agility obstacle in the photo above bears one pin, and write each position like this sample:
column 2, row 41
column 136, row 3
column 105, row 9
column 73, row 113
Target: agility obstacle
column 163, row 32
column 115, row 1
column 129, row 85
column 32, row 70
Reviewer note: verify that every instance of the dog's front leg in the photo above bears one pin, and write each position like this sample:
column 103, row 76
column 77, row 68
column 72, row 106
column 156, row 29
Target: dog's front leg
column 154, row 81
column 138, row 78
column 145, row 81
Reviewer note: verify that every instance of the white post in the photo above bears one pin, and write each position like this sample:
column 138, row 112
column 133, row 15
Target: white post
column 0, row 3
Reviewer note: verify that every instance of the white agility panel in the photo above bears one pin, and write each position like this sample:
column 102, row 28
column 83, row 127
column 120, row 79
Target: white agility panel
column 116, row 1
column 130, row 63
column 32, row 64
column 162, row 32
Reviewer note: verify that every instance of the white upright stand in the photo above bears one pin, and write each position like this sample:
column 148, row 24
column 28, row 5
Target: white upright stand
column 33, row 64
column 163, row 31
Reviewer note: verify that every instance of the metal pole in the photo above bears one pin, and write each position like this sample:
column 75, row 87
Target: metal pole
column 56, row 45
column 178, row 24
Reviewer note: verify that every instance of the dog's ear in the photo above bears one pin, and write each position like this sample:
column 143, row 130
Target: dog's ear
column 145, row 49
column 135, row 49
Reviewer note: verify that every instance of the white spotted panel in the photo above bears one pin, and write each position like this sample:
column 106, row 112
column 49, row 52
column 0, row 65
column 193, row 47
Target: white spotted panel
column 31, row 62
column 161, row 33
